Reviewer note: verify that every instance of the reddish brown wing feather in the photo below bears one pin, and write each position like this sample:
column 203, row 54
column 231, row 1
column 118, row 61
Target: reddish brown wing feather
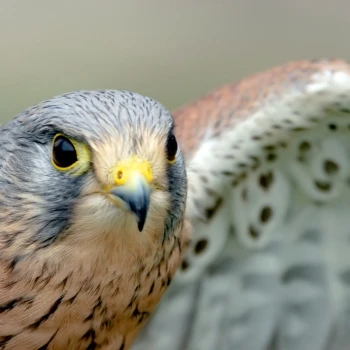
column 227, row 105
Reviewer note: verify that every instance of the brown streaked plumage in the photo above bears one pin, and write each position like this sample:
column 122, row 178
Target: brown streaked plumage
column 268, row 167
column 75, row 270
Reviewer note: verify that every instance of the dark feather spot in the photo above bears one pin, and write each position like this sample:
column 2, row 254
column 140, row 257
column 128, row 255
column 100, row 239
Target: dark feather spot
column 14, row 303
column 200, row 246
column 107, row 324
column 185, row 265
column 330, row 167
column 265, row 214
column 228, row 173
column 323, row 186
column 269, row 148
column 136, row 312
column 92, row 346
column 51, row 311
column 271, row 157
column 15, row 261
column 63, row 284
column 265, row 180
column 140, row 315
column 238, row 179
column 211, row 211
column 90, row 336
column 253, row 232
column 298, row 129
column 151, row 289
column 5, row 339
column 304, row 146
column 71, row 299
column 89, row 317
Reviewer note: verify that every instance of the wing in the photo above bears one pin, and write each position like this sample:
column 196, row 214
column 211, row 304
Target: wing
column 268, row 267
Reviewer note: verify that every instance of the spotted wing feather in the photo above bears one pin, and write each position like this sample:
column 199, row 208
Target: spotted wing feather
column 269, row 200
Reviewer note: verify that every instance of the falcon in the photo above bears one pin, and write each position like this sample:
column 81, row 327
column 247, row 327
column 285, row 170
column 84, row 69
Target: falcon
column 92, row 198
column 268, row 266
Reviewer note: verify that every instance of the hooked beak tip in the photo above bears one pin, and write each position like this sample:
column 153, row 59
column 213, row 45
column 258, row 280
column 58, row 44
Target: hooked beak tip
column 136, row 199
column 139, row 207
column 140, row 225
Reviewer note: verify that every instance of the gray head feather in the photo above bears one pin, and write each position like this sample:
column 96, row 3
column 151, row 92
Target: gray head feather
column 29, row 182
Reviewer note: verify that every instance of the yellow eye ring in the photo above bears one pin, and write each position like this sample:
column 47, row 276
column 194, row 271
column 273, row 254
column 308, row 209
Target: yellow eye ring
column 171, row 161
column 68, row 154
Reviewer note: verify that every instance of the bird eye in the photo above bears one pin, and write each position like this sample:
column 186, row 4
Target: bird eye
column 171, row 148
column 64, row 154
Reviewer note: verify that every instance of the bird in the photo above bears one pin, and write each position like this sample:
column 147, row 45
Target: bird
column 93, row 189
column 268, row 203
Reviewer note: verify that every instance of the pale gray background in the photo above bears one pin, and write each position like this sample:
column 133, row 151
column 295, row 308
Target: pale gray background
column 173, row 51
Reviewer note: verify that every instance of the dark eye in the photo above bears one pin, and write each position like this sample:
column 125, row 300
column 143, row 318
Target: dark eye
column 64, row 154
column 171, row 148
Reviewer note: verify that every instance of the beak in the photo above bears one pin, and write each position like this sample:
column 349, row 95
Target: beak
column 132, row 187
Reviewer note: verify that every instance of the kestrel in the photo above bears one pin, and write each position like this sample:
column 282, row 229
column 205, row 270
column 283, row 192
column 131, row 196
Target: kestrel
column 92, row 198
column 268, row 267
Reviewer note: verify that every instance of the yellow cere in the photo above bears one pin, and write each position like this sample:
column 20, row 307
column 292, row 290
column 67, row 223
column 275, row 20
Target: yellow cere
column 125, row 169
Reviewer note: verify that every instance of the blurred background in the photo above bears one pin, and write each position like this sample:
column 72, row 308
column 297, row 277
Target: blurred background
column 173, row 51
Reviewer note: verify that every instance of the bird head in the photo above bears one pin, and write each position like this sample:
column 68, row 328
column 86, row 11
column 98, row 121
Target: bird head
column 87, row 166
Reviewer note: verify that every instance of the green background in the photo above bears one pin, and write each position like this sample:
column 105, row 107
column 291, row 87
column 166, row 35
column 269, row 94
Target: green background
column 173, row 51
